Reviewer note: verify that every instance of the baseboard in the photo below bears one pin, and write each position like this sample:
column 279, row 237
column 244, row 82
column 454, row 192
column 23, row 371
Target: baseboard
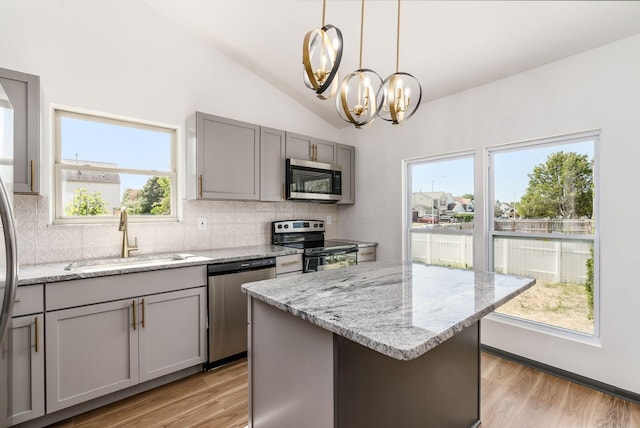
column 563, row 374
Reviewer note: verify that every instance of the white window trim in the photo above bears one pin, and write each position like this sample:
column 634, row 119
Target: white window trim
column 407, row 223
column 57, row 166
column 595, row 238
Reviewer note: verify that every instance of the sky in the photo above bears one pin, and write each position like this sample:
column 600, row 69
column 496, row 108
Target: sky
column 124, row 146
column 510, row 168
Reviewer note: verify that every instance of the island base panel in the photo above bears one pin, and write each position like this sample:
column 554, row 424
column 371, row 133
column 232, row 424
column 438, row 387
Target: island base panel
column 440, row 389
column 290, row 370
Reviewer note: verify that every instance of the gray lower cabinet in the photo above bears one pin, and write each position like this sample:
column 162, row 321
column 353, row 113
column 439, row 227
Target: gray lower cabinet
column 290, row 264
column 91, row 351
column 101, row 348
column 366, row 254
column 227, row 157
column 27, row 368
column 346, row 158
column 24, row 92
column 309, row 148
column 272, row 156
column 172, row 333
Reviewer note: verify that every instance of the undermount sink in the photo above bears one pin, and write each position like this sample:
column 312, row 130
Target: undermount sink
column 142, row 261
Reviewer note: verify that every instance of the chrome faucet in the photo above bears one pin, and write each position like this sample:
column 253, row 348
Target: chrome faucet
column 126, row 248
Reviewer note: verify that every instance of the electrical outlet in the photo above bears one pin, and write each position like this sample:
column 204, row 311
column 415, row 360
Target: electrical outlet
column 328, row 219
column 202, row 223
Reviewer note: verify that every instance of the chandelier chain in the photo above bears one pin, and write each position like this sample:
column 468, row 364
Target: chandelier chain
column 398, row 41
column 324, row 9
column 361, row 32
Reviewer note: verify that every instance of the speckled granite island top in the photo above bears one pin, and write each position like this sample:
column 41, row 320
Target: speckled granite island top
column 400, row 310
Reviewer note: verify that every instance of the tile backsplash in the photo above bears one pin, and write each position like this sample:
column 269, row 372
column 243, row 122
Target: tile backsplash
column 229, row 224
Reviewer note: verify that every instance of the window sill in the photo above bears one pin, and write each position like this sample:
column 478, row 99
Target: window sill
column 574, row 336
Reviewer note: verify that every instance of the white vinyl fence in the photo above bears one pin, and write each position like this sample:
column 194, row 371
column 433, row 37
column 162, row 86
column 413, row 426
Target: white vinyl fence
column 549, row 260
column 442, row 249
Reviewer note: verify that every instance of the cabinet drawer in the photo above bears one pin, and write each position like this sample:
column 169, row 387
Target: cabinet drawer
column 290, row 263
column 88, row 291
column 29, row 300
column 367, row 254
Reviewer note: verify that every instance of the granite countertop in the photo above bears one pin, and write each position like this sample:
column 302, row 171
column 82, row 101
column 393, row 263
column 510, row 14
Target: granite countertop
column 55, row 272
column 400, row 310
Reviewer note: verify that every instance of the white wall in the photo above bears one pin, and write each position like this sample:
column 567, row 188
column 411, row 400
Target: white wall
column 598, row 89
column 124, row 58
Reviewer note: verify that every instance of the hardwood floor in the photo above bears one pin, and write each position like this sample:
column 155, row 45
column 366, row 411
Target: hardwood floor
column 512, row 396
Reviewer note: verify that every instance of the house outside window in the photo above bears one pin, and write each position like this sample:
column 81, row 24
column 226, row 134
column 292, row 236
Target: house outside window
column 103, row 163
column 543, row 224
column 439, row 210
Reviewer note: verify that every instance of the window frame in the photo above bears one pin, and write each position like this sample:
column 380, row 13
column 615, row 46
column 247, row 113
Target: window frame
column 58, row 112
column 407, row 183
column 492, row 234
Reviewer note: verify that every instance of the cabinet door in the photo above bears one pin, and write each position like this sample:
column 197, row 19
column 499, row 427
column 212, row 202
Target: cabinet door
column 228, row 158
column 27, row 369
column 298, row 146
column 308, row 148
column 347, row 160
column 91, row 351
column 325, row 151
column 272, row 154
column 172, row 330
column 24, row 92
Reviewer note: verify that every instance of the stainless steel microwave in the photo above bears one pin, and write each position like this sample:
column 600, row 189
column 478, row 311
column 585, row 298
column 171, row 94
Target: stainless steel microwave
column 313, row 181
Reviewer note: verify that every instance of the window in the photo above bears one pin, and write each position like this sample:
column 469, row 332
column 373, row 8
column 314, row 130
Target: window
column 544, row 226
column 440, row 210
column 103, row 163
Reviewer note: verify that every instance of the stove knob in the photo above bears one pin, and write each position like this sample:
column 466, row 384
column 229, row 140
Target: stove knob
column 286, row 226
column 315, row 225
column 279, row 226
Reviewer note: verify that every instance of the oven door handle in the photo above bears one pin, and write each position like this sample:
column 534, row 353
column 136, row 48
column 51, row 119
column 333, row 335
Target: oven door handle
column 331, row 253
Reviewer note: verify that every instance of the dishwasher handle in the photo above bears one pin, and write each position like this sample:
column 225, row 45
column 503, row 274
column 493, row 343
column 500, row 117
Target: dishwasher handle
column 241, row 266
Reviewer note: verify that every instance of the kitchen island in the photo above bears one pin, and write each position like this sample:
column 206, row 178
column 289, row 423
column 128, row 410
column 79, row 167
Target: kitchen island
column 374, row 345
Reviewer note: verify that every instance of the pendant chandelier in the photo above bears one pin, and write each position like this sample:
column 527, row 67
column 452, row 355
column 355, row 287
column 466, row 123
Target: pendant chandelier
column 357, row 100
column 396, row 91
column 321, row 55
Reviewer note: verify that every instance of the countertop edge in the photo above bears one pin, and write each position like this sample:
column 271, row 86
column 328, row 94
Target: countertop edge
column 55, row 272
column 404, row 354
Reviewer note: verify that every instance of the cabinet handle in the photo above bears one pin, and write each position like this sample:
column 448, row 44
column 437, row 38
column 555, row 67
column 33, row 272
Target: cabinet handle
column 200, row 178
column 291, row 263
column 367, row 253
column 133, row 305
column 284, row 191
column 142, row 313
column 315, row 152
column 33, row 174
column 37, row 334
column 18, row 300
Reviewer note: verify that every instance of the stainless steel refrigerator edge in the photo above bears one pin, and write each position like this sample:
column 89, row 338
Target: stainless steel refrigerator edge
column 8, row 253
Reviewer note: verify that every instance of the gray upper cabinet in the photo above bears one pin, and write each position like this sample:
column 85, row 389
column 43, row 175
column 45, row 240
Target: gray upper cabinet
column 272, row 155
column 346, row 158
column 309, row 148
column 227, row 156
column 24, row 92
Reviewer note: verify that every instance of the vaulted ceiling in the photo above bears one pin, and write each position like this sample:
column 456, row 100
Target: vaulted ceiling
column 450, row 46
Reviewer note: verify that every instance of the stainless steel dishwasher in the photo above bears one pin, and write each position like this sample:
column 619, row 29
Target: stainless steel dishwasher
column 228, row 306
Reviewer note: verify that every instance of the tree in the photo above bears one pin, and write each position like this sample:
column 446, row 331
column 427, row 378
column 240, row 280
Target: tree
column 86, row 203
column 130, row 200
column 560, row 187
column 155, row 197
column 468, row 196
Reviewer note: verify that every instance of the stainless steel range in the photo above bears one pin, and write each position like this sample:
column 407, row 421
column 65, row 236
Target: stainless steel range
column 308, row 235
